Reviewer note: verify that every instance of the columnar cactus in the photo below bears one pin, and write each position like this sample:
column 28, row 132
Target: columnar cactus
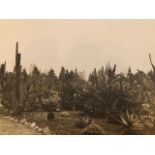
column 18, row 104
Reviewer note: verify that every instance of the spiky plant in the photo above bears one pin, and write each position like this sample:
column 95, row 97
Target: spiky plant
column 131, row 124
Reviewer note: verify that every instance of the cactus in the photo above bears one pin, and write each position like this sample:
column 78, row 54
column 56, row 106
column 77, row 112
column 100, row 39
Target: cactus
column 3, row 81
column 17, row 107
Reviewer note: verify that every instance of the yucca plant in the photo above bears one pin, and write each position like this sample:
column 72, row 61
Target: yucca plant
column 148, row 116
column 131, row 124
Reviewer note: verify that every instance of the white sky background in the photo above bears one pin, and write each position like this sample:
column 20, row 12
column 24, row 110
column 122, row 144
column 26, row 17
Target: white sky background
column 81, row 44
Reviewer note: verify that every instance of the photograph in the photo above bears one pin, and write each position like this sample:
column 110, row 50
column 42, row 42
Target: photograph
column 77, row 77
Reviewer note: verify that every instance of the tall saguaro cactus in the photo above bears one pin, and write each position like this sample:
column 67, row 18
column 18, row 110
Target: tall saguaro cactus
column 3, row 80
column 18, row 100
column 3, row 67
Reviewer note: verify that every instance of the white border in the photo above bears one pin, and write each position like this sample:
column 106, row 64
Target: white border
column 77, row 145
column 77, row 9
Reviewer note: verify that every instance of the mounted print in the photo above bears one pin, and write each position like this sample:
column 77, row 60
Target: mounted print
column 77, row 77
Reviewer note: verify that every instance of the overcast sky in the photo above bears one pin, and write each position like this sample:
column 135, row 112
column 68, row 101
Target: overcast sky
column 81, row 44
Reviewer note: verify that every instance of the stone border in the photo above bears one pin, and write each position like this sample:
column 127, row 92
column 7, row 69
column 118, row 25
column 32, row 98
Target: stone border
column 32, row 125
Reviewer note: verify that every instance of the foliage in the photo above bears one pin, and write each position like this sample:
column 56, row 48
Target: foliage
column 93, row 129
column 105, row 94
column 108, row 92
column 83, row 122
column 131, row 120
column 71, row 86
column 136, row 124
column 50, row 116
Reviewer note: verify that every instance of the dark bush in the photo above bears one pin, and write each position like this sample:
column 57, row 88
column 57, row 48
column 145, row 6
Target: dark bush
column 50, row 116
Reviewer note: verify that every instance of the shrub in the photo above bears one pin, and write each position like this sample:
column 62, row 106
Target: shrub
column 82, row 123
column 50, row 116
column 93, row 129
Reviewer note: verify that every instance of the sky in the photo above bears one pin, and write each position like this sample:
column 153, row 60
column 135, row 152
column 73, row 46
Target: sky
column 81, row 44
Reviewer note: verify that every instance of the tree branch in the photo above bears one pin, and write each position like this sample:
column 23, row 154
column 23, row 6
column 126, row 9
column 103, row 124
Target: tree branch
column 151, row 62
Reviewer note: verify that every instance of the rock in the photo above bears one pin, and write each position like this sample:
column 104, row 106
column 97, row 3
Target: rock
column 33, row 125
column 15, row 120
column 46, row 131
column 40, row 129
column 64, row 114
column 36, row 127
column 23, row 121
column 57, row 109
column 6, row 117
column 27, row 124
column 1, row 106
column 11, row 118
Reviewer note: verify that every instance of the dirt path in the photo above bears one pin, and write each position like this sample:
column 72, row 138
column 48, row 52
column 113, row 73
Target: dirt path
column 9, row 127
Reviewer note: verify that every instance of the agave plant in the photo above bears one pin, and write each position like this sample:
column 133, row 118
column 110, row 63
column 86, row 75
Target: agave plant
column 131, row 124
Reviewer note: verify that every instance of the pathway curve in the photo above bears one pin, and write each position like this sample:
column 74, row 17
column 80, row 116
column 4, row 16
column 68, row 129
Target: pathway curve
column 10, row 127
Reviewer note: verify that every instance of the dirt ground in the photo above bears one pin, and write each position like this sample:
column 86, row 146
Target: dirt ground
column 9, row 127
column 58, row 126
column 67, row 125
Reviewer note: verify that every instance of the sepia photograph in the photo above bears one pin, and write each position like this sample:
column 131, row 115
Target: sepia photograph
column 77, row 77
